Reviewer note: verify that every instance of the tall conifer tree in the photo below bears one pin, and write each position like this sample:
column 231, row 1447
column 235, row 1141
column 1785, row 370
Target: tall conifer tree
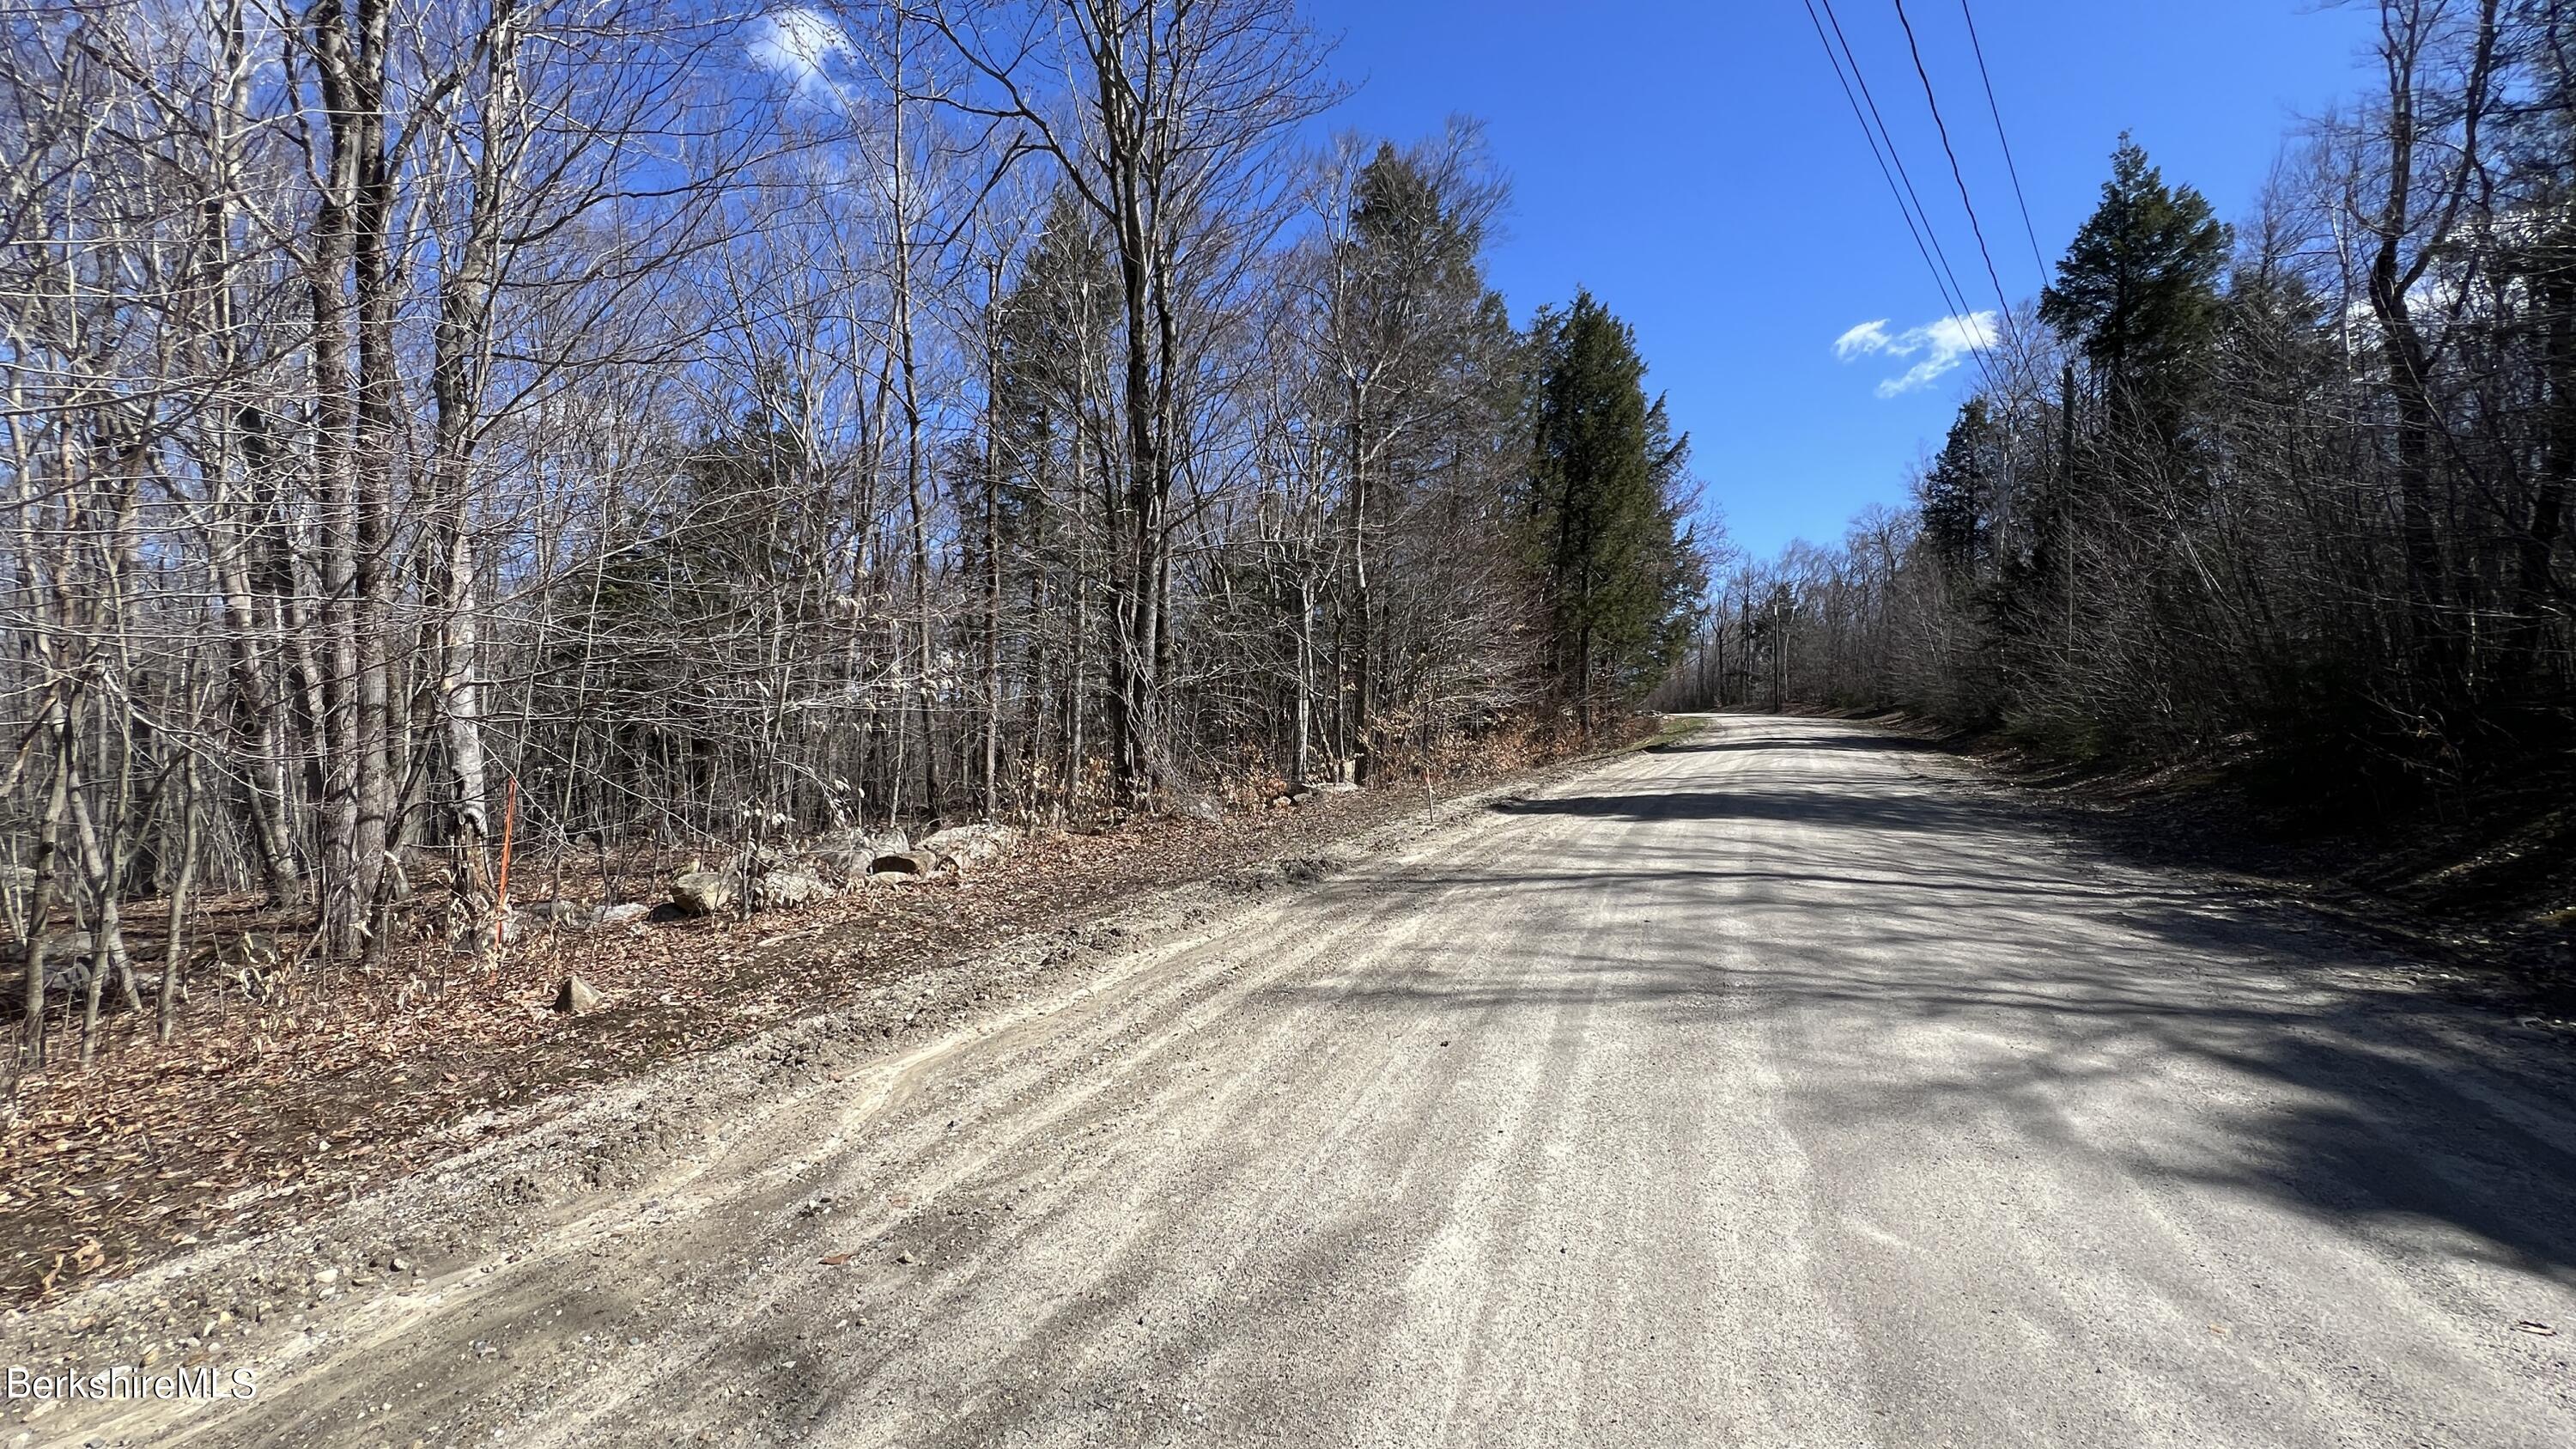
column 1619, row 562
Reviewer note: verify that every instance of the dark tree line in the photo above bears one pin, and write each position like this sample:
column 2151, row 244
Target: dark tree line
column 2299, row 487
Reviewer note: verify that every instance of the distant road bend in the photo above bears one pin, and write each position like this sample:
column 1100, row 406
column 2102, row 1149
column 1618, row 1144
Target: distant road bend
column 1776, row 1088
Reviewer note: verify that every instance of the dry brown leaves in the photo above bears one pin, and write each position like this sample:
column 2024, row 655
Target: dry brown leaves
column 261, row 1114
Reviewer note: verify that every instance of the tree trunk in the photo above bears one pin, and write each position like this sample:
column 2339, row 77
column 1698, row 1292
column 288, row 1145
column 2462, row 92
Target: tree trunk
column 47, row 867
column 461, row 349
column 190, row 829
column 378, row 446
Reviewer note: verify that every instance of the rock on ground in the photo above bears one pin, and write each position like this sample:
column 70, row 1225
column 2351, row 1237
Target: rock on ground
column 789, row 889
column 703, row 892
column 576, row 996
column 971, row 845
column 850, row 851
column 918, row 861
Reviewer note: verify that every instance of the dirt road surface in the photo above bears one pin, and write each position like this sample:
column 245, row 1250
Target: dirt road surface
column 1779, row 1087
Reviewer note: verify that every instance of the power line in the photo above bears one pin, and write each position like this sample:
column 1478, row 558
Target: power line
column 1853, row 57
column 1975, row 228
column 2005, row 141
column 1900, row 184
column 1871, row 136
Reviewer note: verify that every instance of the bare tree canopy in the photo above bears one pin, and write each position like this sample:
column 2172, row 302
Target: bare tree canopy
column 649, row 428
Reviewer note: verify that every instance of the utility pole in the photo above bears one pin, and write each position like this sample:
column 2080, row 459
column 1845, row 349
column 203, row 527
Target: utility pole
column 992, row 537
column 1779, row 656
column 1744, row 628
column 2066, row 510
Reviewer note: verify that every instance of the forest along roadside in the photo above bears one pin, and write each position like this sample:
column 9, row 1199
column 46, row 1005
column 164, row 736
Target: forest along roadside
column 266, row 1116
column 2475, row 904
column 1769, row 1089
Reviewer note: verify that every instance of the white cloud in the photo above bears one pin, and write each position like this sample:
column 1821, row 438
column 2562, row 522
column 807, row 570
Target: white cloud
column 1866, row 338
column 1939, row 345
column 796, row 44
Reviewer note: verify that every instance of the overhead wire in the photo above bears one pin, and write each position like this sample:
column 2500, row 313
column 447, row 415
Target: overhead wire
column 1870, row 135
column 1977, row 47
column 1895, row 158
column 1900, row 183
column 1940, row 127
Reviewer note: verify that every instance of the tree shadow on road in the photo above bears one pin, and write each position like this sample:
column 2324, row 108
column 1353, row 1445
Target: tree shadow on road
column 1818, row 806
column 1893, row 942
column 1855, row 740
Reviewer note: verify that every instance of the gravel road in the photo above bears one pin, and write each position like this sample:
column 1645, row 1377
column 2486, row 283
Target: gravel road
column 1779, row 1087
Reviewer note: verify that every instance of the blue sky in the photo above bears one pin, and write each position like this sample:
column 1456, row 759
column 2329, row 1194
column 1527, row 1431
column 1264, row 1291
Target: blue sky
column 1696, row 166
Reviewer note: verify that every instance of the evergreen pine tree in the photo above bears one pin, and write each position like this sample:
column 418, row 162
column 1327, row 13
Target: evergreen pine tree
column 1618, row 561
column 2138, row 289
column 1959, row 491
